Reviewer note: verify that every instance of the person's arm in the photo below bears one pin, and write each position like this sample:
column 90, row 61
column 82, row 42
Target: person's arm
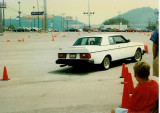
column 154, row 50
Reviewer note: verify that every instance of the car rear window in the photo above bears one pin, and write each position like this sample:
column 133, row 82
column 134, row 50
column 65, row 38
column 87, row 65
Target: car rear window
column 88, row 41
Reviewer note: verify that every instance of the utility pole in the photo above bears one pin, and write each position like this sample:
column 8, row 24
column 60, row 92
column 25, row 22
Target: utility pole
column 62, row 21
column 34, row 16
column 45, row 17
column 38, row 15
column 156, row 13
column 3, row 18
column 1, row 24
column 89, row 14
column 31, row 23
column 119, row 19
column 76, row 22
column 52, row 23
column 10, row 21
column 19, row 15
column 42, row 18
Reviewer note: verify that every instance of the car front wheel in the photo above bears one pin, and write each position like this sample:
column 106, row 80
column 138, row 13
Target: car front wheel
column 106, row 63
column 138, row 56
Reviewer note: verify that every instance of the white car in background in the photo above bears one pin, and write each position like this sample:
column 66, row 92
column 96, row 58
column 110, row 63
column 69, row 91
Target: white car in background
column 100, row 49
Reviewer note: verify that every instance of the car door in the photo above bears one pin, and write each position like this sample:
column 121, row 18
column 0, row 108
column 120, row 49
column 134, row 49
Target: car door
column 114, row 50
column 123, row 47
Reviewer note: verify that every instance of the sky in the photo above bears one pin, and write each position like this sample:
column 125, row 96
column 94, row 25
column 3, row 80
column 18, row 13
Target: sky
column 103, row 9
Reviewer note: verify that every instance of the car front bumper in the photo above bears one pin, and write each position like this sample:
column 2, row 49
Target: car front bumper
column 72, row 62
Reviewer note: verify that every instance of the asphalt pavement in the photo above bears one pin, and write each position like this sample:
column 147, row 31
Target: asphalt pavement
column 38, row 85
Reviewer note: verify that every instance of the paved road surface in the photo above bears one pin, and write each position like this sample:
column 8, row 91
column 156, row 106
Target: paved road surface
column 38, row 85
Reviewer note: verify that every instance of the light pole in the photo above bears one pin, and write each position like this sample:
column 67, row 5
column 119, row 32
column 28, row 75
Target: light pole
column 62, row 21
column 3, row 18
column 38, row 15
column 156, row 13
column 52, row 23
column 34, row 16
column 45, row 17
column 19, row 15
column 119, row 19
column 89, row 14
column 1, row 24
column 10, row 21
column 76, row 22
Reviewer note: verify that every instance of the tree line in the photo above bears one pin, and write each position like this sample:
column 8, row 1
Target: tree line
column 117, row 21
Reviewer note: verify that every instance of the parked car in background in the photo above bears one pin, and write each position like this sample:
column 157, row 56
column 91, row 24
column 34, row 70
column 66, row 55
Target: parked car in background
column 73, row 30
column 146, row 30
column 95, row 29
column 100, row 49
column 20, row 30
column 131, row 30
column 32, row 29
column 123, row 30
column 116, row 30
column 54, row 30
column 86, row 29
column 107, row 30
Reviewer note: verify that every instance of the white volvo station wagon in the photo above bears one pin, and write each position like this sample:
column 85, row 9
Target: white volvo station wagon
column 100, row 49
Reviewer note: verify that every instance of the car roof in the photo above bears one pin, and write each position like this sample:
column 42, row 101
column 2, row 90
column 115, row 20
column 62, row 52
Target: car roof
column 101, row 35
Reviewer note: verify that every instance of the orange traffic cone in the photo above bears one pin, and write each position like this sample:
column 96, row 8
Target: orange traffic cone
column 5, row 75
column 29, row 36
column 130, row 83
column 19, row 40
column 146, row 48
column 22, row 39
column 125, row 96
column 123, row 70
column 8, row 40
column 52, row 38
column 148, row 34
column 126, row 74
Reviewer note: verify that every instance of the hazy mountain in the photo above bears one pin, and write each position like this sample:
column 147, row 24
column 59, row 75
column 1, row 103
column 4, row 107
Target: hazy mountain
column 26, row 23
column 140, row 16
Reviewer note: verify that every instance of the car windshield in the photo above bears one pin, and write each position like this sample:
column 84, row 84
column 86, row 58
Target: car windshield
column 88, row 41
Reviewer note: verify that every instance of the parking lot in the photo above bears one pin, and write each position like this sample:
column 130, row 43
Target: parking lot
column 38, row 85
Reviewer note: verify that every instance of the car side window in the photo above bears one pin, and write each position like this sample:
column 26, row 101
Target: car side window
column 84, row 41
column 119, row 39
column 111, row 40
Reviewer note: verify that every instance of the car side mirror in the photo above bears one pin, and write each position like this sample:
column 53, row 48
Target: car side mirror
column 128, row 40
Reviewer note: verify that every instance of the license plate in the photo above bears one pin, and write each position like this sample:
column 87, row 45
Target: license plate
column 72, row 55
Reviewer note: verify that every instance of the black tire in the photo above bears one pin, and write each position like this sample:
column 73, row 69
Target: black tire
column 138, row 56
column 106, row 63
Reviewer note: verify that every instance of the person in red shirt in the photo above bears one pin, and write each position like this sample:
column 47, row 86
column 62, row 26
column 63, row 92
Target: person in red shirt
column 145, row 95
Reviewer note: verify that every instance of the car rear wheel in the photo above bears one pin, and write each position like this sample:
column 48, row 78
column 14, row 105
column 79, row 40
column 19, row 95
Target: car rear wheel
column 138, row 56
column 106, row 63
